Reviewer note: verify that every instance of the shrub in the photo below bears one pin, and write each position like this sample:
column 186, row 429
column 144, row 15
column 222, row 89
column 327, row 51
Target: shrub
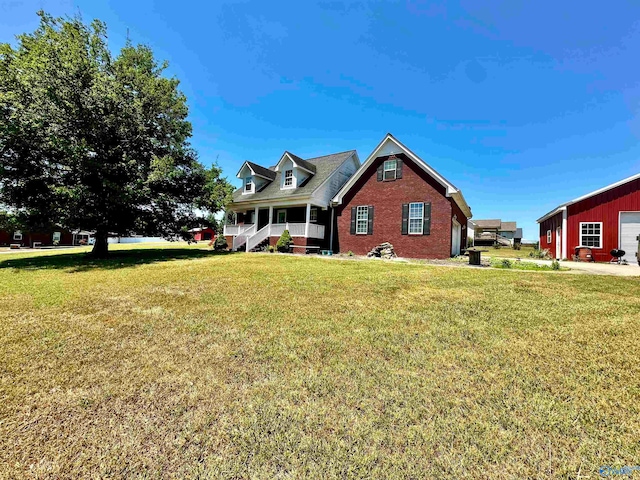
column 544, row 253
column 284, row 242
column 506, row 263
column 517, row 245
column 271, row 249
column 350, row 253
column 220, row 243
column 496, row 245
column 555, row 265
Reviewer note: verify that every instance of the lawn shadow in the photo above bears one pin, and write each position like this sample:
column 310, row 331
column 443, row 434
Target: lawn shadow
column 80, row 262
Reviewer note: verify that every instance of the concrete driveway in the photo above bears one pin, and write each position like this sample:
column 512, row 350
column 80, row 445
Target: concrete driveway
column 631, row 270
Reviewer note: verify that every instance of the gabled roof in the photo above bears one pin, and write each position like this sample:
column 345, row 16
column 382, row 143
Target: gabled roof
column 564, row 206
column 393, row 145
column 258, row 170
column 493, row 223
column 324, row 167
column 299, row 162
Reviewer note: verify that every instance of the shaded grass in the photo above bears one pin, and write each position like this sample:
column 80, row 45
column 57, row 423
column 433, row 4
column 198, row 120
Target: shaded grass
column 269, row 366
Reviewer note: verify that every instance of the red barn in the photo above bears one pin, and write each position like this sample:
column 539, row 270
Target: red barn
column 203, row 234
column 31, row 239
column 396, row 197
column 603, row 220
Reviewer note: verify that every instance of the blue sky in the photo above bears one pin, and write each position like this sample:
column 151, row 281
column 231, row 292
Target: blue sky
column 522, row 105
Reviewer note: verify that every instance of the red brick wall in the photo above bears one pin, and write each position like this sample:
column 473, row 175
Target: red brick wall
column 387, row 199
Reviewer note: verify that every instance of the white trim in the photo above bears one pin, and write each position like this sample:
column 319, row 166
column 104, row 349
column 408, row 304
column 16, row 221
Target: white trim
column 451, row 190
column 366, row 219
column 385, row 169
column 296, row 165
column 558, row 243
column 549, row 237
column 17, row 235
column 278, row 214
column 589, row 235
column 455, row 247
column 589, row 195
column 252, row 172
column 564, row 234
column 421, row 232
column 314, row 210
column 284, row 179
column 244, row 185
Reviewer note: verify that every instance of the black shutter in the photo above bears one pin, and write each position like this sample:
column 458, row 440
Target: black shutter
column 398, row 168
column 380, row 171
column 370, row 221
column 405, row 219
column 426, row 219
column 353, row 220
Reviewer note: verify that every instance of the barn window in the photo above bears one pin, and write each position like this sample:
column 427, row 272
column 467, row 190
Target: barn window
column 362, row 219
column 288, row 178
column 548, row 236
column 416, row 214
column 57, row 236
column 591, row 234
column 390, row 169
column 17, row 235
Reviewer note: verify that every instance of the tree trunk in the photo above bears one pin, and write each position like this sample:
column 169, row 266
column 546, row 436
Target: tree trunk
column 101, row 247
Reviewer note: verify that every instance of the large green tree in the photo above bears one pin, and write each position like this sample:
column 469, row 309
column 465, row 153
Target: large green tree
column 96, row 141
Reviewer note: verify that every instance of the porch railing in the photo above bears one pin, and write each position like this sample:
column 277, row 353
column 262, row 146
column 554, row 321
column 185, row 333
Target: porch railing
column 259, row 237
column 235, row 229
column 241, row 239
column 316, row 231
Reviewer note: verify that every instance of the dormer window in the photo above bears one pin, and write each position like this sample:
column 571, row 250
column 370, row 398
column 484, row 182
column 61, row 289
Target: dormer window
column 248, row 184
column 288, row 178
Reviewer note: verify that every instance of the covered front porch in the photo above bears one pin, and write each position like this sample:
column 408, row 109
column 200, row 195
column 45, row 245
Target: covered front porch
column 261, row 224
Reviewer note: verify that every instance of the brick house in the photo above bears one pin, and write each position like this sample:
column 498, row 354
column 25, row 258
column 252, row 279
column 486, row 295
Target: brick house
column 396, row 197
column 294, row 195
column 603, row 220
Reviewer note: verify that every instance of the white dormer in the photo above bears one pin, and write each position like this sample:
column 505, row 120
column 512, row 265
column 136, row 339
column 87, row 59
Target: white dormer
column 294, row 171
column 254, row 177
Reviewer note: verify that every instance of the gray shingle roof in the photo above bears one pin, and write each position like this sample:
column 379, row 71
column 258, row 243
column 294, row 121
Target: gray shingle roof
column 494, row 223
column 324, row 166
column 508, row 226
column 303, row 163
column 265, row 172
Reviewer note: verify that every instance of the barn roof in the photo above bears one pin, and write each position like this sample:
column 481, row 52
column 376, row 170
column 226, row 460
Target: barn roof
column 588, row 195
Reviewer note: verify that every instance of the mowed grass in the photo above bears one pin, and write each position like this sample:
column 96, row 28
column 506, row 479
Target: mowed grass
column 507, row 252
column 182, row 363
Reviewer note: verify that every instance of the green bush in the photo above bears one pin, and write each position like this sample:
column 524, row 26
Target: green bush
column 544, row 253
column 517, row 245
column 350, row 253
column 506, row 263
column 555, row 265
column 496, row 245
column 284, row 242
column 220, row 243
column 272, row 249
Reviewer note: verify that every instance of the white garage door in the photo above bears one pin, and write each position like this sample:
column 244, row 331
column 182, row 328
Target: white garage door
column 629, row 230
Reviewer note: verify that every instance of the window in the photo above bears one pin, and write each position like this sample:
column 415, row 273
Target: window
column 362, row 220
column 390, row 169
column 416, row 216
column 548, row 236
column 249, row 217
column 313, row 217
column 57, row 236
column 288, row 178
column 282, row 216
column 17, row 235
column 248, row 184
column 591, row 234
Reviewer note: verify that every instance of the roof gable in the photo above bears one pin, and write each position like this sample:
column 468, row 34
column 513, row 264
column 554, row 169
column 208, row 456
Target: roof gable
column 390, row 146
column 324, row 166
column 297, row 162
column 257, row 170
column 588, row 195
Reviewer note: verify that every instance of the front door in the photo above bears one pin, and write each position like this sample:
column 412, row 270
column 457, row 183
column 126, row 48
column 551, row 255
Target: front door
column 559, row 243
column 455, row 238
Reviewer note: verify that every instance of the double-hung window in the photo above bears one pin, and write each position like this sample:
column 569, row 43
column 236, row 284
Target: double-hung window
column 313, row 215
column 362, row 220
column 390, row 169
column 57, row 236
column 416, row 218
column 591, row 234
column 548, row 236
column 248, row 184
column 288, row 178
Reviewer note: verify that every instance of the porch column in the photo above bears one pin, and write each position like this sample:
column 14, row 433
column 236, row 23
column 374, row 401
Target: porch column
column 306, row 223
column 270, row 218
column 255, row 218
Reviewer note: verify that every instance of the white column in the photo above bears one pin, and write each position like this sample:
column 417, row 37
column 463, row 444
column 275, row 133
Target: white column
column 331, row 230
column 255, row 220
column 270, row 218
column 306, row 223
column 564, row 233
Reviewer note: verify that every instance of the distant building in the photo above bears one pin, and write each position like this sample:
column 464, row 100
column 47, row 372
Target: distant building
column 487, row 232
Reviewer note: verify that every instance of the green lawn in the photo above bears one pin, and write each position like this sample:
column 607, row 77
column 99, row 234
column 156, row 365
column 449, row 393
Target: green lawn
column 507, row 252
column 177, row 362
